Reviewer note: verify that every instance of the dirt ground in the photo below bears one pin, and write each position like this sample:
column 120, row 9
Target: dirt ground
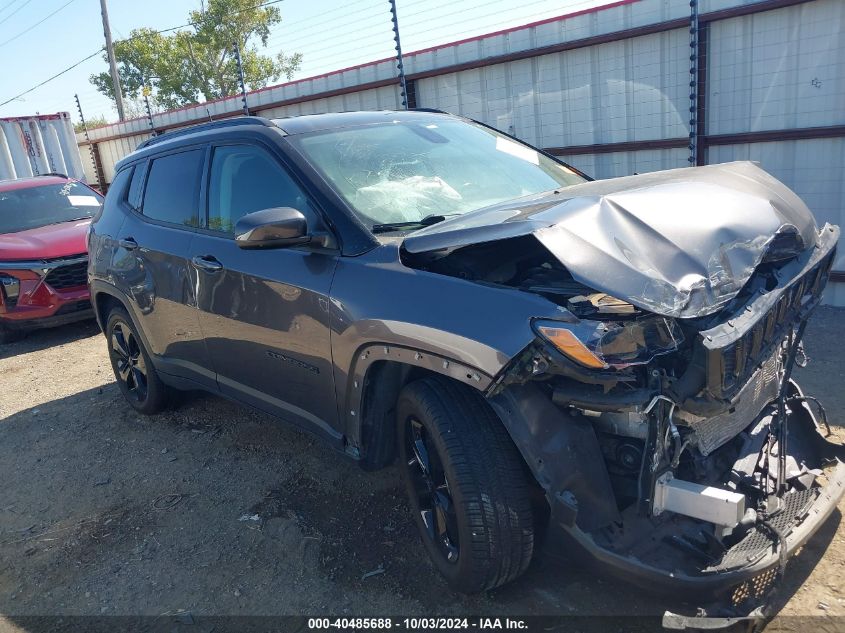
column 213, row 509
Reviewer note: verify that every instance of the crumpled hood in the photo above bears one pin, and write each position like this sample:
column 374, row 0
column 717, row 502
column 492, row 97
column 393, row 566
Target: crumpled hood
column 679, row 243
column 46, row 242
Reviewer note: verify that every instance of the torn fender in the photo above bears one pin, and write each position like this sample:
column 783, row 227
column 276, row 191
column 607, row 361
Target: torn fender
column 679, row 243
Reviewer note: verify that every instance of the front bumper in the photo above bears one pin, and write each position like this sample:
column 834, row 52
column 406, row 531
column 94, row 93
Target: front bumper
column 737, row 586
column 41, row 294
column 718, row 584
column 65, row 313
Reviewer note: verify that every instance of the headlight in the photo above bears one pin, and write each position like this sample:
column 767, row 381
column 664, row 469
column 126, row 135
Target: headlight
column 617, row 344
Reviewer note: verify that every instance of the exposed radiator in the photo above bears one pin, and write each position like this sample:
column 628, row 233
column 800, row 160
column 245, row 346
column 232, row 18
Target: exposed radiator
column 711, row 433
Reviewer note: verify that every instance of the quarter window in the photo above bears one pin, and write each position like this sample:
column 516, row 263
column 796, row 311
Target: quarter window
column 134, row 196
column 246, row 179
column 173, row 188
column 117, row 189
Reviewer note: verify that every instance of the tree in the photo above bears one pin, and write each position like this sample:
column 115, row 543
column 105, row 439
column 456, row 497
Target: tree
column 192, row 66
column 94, row 121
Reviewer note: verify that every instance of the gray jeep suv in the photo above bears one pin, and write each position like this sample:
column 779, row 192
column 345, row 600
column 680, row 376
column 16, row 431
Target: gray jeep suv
column 603, row 368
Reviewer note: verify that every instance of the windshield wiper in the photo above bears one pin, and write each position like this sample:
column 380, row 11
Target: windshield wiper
column 404, row 226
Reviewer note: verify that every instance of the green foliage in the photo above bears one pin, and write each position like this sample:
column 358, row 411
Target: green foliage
column 96, row 121
column 197, row 65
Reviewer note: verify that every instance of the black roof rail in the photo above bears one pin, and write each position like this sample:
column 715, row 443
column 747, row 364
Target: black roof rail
column 202, row 127
column 435, row 110
column 53, row 173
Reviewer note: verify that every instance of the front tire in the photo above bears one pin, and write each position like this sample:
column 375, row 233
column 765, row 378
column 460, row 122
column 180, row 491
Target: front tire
column 134, row 372
column 467, row 485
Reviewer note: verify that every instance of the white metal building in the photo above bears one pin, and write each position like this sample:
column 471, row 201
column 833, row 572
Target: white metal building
column 609, row 90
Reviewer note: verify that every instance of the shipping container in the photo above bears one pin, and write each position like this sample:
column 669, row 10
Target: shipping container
column 35, row 145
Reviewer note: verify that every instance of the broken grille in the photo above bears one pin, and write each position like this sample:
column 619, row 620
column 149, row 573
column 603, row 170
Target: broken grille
column 712, row 432
column 68, row 275
column 730, row 366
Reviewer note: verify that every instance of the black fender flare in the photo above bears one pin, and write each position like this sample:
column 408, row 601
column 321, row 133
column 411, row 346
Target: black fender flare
column 371, row 353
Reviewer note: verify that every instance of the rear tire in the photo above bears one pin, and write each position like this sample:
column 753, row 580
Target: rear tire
column 133, row 370
column 467, row 485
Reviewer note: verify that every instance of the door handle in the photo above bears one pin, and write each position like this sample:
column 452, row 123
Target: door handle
column 128, row 243
column 207, row 263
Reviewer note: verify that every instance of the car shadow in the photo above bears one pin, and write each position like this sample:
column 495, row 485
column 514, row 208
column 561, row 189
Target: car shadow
column 37, row 340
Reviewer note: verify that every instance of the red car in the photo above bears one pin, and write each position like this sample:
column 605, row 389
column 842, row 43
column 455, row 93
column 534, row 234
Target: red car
column 43, row 253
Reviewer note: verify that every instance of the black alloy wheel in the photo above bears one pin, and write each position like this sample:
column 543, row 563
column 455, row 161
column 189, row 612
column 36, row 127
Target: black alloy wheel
column 129, row 361
column 437, row 509
column 133, row 370
column 468, row 487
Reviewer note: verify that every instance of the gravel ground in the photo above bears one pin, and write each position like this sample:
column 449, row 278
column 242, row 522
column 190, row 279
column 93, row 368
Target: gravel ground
column 103, row 511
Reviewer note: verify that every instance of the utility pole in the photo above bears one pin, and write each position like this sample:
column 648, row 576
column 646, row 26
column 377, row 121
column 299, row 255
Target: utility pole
column 118, row 94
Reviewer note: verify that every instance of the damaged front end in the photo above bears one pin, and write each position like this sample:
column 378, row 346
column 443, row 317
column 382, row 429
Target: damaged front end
column 658, row 409
column 719, row 466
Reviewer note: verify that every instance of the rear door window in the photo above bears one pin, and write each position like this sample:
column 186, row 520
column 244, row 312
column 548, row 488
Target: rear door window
column 172, row 191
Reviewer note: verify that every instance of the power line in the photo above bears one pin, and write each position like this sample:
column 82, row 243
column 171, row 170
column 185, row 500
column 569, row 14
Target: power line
column 6, row 6
column 322, row 54
column 59, row 74
column 194, row 24
column 313, row 24
column 13, row 12
column 369, row 40
column 284, row 34
column 69, row 68
column 25, row 31
column 480, row 22
column 303, row 42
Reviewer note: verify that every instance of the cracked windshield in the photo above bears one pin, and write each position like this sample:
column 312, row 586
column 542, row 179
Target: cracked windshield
column 398, row 176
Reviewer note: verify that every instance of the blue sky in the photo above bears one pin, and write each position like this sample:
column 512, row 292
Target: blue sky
column 329, row 34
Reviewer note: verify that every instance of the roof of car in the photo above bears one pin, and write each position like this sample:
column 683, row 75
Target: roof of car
column 336, row 120
column 32, row 181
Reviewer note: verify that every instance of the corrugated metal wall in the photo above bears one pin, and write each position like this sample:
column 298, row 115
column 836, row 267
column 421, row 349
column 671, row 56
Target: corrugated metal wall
column 620, row 105
column 386, row 98
column 630, row 90
column 784, row 70
column 613, row 164
column 778, row 70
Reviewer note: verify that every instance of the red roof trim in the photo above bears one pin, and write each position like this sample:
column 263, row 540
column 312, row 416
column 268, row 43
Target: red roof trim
column 38, row 117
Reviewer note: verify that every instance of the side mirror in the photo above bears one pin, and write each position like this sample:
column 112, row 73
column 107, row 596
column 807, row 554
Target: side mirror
column 278, row 227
